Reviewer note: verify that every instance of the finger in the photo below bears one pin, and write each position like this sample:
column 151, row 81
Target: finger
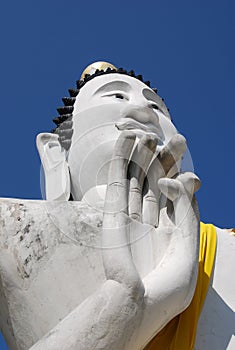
column 165, row 161
column 190, row 182
column 141, row 159
column 117, row 187
column 172, row 152
column 152, row 194
column 117, row 258
column 187, row 183
column 181, row 192
column 170, row 188
column 186, row 209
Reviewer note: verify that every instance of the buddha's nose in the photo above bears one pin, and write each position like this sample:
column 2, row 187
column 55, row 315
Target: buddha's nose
column 144, row 115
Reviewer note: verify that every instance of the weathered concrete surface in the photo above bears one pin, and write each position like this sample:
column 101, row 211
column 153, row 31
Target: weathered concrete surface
column 50, row 261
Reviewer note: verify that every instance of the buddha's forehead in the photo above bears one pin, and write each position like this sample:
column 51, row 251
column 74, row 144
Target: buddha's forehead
column 107, row 83
column 122, row 81
column 113, row 82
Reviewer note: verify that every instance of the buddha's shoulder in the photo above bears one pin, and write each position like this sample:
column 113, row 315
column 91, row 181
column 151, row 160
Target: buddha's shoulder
column 17, row 212
column 32, row 232
column 224, row 259
column 223, row 282
column 216, row 323
column 20, row 217
column 40, row 225
column 17, row 205
column 225, row 241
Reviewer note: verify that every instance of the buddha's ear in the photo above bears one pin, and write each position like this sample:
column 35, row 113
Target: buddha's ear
column 55, row 166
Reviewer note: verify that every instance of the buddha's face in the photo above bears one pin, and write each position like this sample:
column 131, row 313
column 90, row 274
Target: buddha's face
column 105, row 106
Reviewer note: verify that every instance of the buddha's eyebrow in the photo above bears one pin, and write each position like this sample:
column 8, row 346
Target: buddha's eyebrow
column 150, row 95
column 112, row 86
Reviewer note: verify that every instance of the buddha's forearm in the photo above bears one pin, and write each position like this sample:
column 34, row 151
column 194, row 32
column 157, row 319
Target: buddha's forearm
column 105, row 321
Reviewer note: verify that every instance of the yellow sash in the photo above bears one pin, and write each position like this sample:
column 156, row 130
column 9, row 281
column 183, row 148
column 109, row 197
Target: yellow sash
column 180, row 333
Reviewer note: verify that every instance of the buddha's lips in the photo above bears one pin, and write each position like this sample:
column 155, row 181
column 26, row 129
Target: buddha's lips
column 131, row 124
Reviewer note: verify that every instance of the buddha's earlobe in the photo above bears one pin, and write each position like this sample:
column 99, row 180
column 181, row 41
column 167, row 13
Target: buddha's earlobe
column 55, row 166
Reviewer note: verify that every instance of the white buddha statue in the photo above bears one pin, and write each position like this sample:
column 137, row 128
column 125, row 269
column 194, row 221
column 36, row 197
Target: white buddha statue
column 116, row 266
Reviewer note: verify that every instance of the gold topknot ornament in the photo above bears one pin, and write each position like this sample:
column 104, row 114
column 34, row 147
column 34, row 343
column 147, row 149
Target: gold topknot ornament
column 97, row 65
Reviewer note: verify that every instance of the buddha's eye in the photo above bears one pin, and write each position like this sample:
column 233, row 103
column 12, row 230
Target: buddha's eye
column 154, row 106
column 120, row 96
column 117, row 95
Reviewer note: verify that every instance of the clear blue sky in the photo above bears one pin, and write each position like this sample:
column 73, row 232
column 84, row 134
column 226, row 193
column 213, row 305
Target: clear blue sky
column 186, row 48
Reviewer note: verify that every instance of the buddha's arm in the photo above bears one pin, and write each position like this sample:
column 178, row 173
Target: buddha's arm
column 105, row 320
